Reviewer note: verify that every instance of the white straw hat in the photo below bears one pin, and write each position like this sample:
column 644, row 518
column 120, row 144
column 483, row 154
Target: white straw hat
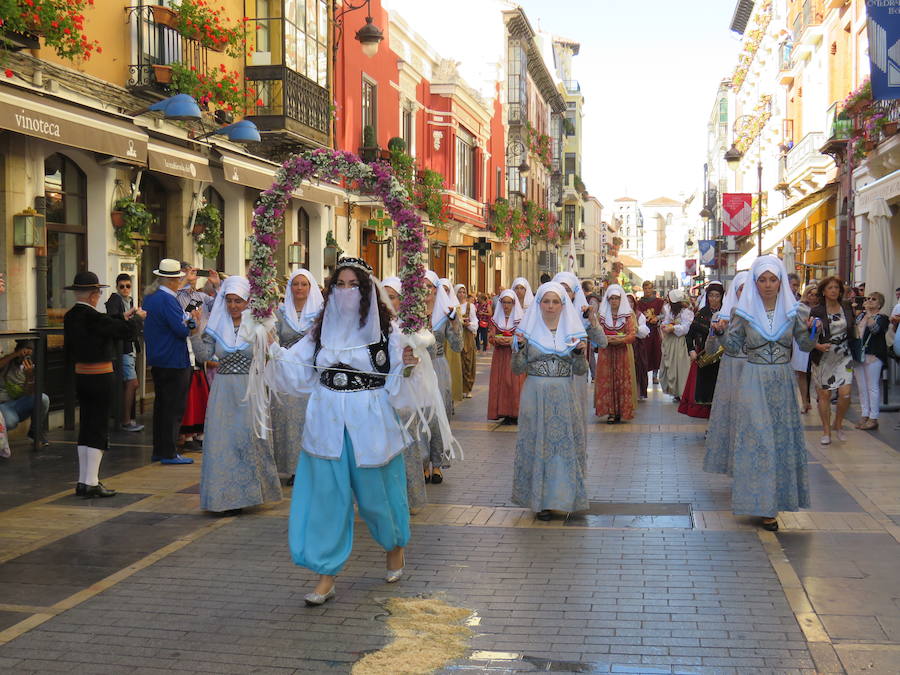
column 169, row 268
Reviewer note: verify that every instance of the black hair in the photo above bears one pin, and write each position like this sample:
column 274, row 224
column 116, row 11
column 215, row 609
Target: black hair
column 123, row 277
column 366, row 288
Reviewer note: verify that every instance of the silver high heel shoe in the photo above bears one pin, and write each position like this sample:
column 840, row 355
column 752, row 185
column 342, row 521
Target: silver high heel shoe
column 393, row 576
column 316, row 599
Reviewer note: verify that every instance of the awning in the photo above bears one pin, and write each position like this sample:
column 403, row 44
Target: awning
column 177, row 161
column 53, row 120
column 886, row 188
column 244, row 170
column 629, row 261
column 779, row 233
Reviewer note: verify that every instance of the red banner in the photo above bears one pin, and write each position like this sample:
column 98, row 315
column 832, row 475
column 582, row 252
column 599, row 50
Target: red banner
column 738, row 208
column 690, row 267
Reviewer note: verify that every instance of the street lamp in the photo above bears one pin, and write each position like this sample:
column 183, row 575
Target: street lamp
column 733, row 156
column 369, row 36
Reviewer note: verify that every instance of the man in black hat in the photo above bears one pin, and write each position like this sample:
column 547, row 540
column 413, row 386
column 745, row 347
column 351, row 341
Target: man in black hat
column 90, row 341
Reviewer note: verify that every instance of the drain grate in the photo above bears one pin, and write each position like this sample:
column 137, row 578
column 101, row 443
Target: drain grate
column 644, row 515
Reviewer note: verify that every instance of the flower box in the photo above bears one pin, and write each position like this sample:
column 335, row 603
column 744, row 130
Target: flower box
column 162, row 74
column 870, row 145
column 118, row 219
column 164, row 16
column 890, row 128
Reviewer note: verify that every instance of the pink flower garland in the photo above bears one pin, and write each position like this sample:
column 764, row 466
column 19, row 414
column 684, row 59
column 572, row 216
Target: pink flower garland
column 336, row 166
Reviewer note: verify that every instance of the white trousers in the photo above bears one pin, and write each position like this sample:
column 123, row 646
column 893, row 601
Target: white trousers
column 868, row 381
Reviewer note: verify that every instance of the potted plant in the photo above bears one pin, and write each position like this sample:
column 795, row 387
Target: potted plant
column 207, row 231
column 197, row 20
column 369, row 150
column 131, row 223
column 60, row 24
column 164, row 16
column 889, row 128
column 162, row 73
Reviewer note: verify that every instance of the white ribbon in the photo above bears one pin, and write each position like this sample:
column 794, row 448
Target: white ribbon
column 419, row 392
column 256, row 333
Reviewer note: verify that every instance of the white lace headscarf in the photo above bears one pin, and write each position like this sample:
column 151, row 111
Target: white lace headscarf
column 442, row 303
column 752, row 308
column 311, row 309
column 220, row 325
column 529, row 296
column 624, row 311
column 569, row 331
column 508, row 323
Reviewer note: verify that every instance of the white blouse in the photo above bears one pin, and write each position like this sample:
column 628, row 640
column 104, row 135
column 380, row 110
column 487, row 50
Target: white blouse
column 682, row 321
column 370, row 420
column 469, row 309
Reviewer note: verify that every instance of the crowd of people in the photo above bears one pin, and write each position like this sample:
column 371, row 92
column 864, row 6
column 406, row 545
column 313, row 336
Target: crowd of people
column 359, row 412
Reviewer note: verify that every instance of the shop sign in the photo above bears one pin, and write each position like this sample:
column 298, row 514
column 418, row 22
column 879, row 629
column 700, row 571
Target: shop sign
column 884, row 48
column 737, row 207
column 178, row 162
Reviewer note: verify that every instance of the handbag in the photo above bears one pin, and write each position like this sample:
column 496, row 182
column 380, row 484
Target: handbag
column 482, row 324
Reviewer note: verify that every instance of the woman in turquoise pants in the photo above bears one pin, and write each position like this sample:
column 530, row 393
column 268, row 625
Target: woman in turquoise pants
column 352, row 444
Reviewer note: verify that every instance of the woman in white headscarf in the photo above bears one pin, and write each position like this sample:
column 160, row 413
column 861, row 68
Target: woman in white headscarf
column 454, row 358
column 447, row 331
column 551, row 451
column 418, row 449
column 675, row 324
column 238, row 467
column 770, row 462
column 523, row 292
column 615, row 384
column 504, row 387
column 353, row 442
column 469, row 319
column 295, row 316
column 576, row 292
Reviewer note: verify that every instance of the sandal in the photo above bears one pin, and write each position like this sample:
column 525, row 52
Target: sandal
column 770, row 524
column 862, row 423
column 427, row 476
column 610, row 419
column 436, row 476
column 870, row 424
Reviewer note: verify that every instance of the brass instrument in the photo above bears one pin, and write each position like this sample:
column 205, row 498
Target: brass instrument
column 704, row 358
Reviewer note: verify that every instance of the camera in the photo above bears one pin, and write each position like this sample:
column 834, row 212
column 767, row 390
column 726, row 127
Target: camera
column 202, row 273
column 192, row 305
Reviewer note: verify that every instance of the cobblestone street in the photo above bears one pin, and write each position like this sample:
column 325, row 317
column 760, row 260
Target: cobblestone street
column 658, row 578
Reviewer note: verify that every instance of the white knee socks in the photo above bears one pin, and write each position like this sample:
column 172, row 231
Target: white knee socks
column 92, row 456
column 82, row 462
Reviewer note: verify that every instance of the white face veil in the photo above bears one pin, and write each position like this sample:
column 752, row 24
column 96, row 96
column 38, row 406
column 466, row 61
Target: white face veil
column 529, row 296
column 220, row 324
column 340, row 325
column 752, row 308
column 569, row 331
column 503, row 322
column 625, row 310
column 311, row 309
column 731, row 297
column 442, row 304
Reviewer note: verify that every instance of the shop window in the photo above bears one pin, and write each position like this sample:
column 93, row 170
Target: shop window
column 832, row 232
column 153, row 196
column 465, row 163
column 369, row 105
column 406, row 129
column 65, row 190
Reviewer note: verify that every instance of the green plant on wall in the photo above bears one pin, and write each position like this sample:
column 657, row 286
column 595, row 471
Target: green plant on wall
column 132, row 222
column 207, row 231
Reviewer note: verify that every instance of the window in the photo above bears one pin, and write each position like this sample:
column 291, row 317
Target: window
column 465, row 163
column 570, row 165
column 660, row 235
column 65, row 189
column 303, row 235
column 499, row 183
column 723, row 111
column 517, row 83
column 306, row 38
column 406, row 129
column 570, row 122
column 569, row 218
column 369, row 105
column 580, row 258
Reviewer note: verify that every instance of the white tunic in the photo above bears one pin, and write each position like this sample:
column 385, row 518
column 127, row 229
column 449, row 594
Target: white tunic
column 682, row 322
column 370, row 420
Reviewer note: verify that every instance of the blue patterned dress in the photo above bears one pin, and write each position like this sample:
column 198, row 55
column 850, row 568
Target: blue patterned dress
column 288, row 410
column 449, row 334
column 551, row 446
column 770, row 463
column 720, row 434
column 238, row 466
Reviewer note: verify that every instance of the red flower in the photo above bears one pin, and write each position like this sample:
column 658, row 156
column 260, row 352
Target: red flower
column 259, row 101
column 8, row 72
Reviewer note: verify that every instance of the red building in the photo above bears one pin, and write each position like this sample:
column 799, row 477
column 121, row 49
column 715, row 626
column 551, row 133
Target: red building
column 406, row 90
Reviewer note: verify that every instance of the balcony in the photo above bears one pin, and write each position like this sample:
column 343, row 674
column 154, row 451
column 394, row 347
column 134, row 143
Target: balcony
column 807, row 28
column 805, row 167
column 572, row 87
column 786, row 70
column 295, row 111
column 158, row 47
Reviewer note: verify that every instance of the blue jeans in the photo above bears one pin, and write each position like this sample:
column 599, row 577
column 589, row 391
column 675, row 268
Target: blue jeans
column 18, row 409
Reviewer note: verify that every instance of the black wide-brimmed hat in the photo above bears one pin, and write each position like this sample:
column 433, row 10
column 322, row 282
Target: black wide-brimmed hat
column 86, row 281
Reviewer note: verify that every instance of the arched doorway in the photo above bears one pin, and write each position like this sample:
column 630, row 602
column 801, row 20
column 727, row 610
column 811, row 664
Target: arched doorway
column 153, row 196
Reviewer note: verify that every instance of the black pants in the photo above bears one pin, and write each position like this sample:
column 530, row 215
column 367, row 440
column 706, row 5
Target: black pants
column 481, row 338
column 94, row 398
column 171, row 389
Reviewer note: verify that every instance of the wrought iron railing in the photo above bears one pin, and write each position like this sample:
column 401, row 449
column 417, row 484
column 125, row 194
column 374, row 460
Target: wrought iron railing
column 158, row 45
column 805, row 151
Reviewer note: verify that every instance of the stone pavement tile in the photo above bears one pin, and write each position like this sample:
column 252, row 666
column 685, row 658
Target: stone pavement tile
column 869, row 659
column 856, row 628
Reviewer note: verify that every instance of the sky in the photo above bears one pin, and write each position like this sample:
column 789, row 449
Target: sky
column 648, row 69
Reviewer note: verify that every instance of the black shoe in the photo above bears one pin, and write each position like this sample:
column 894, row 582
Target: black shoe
column 98, row 490
column 770, row 526
column 290, row 481
column 79, row 489
column 437, row 477
column 618, row 419
column 544, row 515
column 232, row 512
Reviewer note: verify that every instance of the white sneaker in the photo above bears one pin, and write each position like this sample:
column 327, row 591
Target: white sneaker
column 825, row 440
column 841, row 436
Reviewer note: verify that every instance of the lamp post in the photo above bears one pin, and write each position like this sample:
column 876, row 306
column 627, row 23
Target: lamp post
column 369, row 36
column 733, row 156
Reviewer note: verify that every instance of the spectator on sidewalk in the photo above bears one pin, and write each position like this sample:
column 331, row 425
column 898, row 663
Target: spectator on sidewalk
column 17, row 387
column 117, row 305
column 871, row 326
column 90, row 338
column 192, row 424
column 166, row 329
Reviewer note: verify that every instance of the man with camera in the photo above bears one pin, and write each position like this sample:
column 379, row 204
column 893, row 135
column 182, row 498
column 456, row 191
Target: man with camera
column 17, row 387
column 166, row 329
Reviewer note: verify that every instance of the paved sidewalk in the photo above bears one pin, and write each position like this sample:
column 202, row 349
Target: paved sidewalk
column 658, row 578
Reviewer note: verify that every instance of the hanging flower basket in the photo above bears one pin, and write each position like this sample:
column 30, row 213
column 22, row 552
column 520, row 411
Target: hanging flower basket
column 162, row 74
column 136, row 221
column 118, row 219
column 198, row 229
column 164, row 16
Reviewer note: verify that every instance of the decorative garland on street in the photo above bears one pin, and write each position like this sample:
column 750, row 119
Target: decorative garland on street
column 335, row 166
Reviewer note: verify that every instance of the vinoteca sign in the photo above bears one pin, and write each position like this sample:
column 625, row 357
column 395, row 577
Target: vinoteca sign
column 36, row 124
column 66, row 124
